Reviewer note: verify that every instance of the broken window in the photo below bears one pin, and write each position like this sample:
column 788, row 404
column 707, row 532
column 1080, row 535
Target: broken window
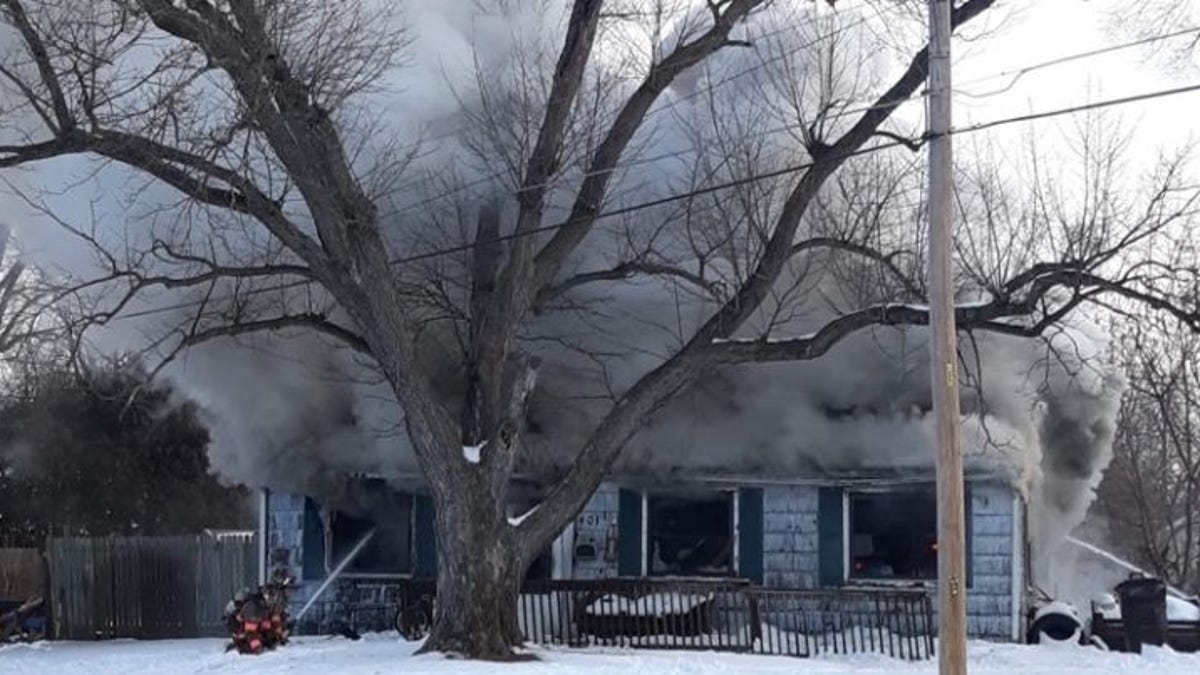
column 374, row 507
column 893, row 534
column 690, row 535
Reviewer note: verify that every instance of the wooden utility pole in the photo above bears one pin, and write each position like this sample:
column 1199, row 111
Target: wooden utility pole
column 952, row 595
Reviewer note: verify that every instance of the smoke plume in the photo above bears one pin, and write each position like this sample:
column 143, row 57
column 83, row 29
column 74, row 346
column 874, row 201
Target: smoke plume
column 290, row 412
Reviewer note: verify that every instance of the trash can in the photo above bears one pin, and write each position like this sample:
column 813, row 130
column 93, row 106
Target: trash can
column 1144, row 612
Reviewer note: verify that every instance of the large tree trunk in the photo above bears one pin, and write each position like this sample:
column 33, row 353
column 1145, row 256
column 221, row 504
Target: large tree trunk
column 480, row 568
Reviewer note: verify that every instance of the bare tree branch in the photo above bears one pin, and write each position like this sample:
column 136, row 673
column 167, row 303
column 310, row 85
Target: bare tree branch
column 623, row 271
column 657, row 386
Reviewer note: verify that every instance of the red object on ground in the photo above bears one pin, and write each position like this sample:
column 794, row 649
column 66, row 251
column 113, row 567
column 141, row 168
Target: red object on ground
column 257, row 620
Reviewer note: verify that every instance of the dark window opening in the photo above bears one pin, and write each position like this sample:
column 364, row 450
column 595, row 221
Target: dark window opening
column 893, row 535
column 389, row 514
column 690, row 535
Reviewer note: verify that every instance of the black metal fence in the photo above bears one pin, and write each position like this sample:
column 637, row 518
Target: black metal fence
column 717, row 615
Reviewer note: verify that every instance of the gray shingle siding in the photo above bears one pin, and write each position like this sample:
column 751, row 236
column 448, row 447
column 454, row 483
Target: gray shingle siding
column 285, row 537
column 790, row 550
column 790, row 546
column 790, row 536
column 371, row 599
column 990, row 597
column 596, row 522
column 285, row 532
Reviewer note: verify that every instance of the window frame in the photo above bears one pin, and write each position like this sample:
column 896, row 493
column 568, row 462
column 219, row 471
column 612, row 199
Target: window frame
column 848, row 495
column 330, row 563
column 733, row 495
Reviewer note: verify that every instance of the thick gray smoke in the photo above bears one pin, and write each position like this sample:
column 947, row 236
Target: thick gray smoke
column 292, row 413
column 1038, row 414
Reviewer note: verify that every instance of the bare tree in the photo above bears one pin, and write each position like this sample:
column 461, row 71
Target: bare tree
column 1150, row 496
column 1152, row 20
column 278, row 165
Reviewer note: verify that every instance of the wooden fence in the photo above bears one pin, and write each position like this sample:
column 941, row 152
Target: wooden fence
column 147, row 587
column 20, row 574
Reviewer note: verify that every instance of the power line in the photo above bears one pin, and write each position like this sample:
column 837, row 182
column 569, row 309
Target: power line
column 1107, row 103
column 806, row 165
column 909, row 143
column 1016, row 74
column 670, row 105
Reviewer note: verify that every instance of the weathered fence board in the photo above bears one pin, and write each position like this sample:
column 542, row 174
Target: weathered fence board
column 146, row 587
column 20, row 573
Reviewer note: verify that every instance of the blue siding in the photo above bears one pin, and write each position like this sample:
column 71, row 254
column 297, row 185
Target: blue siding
column 790, row 536
column 990, row 597
column 792, row 547
column 285, row 527
column 790, row 544
column 594, row 525
column 295, row 544
column 313, row 555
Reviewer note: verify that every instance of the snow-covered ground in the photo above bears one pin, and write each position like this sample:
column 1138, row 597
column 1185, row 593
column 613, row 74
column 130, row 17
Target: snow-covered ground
column 385, row 654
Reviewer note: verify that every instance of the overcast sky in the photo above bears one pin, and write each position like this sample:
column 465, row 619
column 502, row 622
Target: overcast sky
column 1041, row 30
column 1026, row 32
column 1032, row 31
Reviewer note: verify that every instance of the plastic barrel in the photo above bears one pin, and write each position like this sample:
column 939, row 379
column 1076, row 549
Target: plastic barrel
column 1144, row 612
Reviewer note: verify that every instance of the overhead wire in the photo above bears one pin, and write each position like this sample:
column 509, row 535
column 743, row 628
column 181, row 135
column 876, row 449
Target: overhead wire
column 651, row 203
column 1016, row 75
column 793, row 168
column 666, row 106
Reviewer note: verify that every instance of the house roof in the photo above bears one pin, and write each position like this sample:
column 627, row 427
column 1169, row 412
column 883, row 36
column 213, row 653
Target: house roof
column 858, row 477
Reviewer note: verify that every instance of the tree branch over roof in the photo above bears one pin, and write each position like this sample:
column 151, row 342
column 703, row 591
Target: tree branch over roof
column 621, row 271
column 659, row 385
column 590, row 195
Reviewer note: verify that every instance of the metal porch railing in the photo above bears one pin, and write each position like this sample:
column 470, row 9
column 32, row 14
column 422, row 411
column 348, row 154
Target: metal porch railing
column 718, row 615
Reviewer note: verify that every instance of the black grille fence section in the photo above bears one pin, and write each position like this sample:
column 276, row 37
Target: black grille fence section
column 721, row 615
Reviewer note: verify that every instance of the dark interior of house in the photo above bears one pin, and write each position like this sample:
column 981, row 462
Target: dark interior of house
column 690, row 535
column 389, row 513
column 893, row 535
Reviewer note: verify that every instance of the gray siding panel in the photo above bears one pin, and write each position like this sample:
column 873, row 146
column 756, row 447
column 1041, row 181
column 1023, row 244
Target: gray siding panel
column 989, row 600
column 790, row 536
column 285, row 528
column 790, row 545
column 595, row 523
column 790, row 550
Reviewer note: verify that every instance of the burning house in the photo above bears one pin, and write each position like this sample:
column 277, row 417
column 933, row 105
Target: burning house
column 796, row 476
column 827, row 532
column 813, row 474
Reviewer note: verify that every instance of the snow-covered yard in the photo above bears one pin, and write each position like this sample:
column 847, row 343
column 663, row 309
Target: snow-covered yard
column 385, row 654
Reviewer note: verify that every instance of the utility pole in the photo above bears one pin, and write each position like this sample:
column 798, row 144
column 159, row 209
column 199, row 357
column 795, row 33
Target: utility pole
column 952, row 595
